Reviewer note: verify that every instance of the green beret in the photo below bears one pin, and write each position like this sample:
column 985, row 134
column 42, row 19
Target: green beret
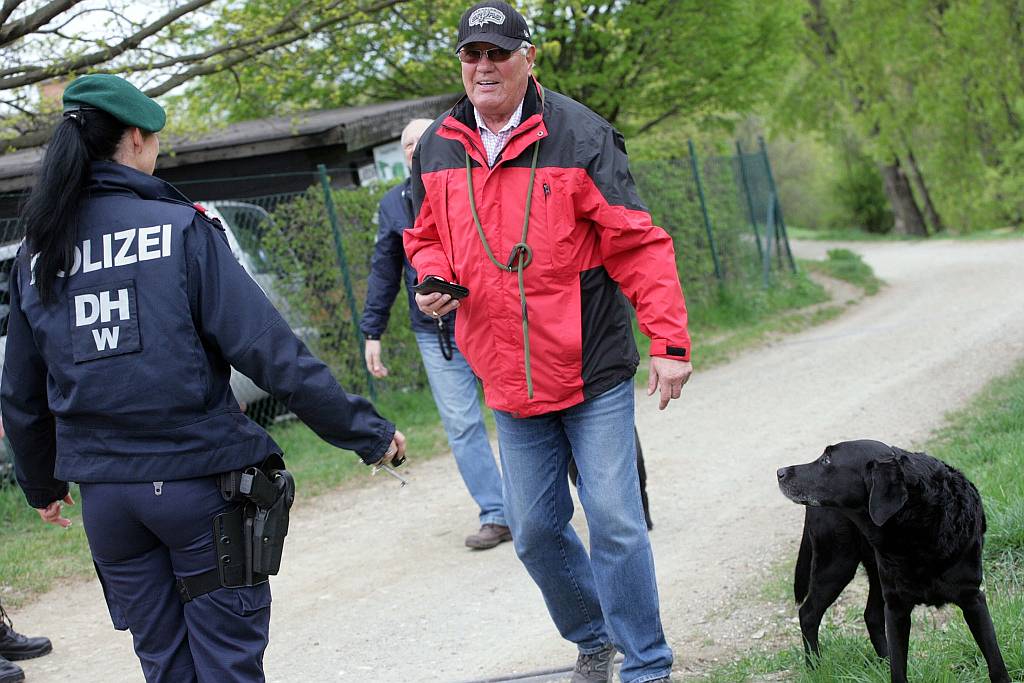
column 117, row 97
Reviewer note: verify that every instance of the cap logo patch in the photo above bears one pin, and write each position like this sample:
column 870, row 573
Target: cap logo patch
column 486, row 15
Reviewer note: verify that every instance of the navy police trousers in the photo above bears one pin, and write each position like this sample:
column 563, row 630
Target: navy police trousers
column 142, row 536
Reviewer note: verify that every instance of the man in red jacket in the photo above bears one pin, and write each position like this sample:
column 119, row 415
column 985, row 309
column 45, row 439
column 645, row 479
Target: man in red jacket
column 524, row 197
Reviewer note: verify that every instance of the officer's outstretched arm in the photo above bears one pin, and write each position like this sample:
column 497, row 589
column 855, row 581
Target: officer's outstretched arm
column 28, row 422
column 233, row 315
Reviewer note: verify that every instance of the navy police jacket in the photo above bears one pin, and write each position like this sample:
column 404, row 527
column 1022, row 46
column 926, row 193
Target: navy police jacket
column 125, row 377
column 390, row 264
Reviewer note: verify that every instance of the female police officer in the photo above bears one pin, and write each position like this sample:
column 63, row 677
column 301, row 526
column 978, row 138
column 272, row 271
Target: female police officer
column 127, row 309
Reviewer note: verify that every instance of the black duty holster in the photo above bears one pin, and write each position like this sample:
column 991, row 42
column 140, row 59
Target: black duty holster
column 248, row 538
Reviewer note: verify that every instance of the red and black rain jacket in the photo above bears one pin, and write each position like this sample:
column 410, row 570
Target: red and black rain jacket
column 591, row 239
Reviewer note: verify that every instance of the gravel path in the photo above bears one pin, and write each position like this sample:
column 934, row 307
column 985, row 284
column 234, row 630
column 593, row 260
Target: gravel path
column 378, row 587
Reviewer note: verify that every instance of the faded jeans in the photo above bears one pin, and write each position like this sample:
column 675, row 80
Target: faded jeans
column 455, row 392
column 610, row 595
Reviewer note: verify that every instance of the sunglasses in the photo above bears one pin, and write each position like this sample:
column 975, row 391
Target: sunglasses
column 495, row 54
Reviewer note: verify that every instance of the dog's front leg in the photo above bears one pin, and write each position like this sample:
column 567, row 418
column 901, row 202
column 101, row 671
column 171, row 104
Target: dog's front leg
column 976, row 614
column 897, row 636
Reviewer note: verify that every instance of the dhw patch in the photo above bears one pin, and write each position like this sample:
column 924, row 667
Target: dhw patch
column 104, row 321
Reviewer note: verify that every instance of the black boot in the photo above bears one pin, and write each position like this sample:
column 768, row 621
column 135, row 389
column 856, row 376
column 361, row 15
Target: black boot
column 10, row 673
column 14, row 646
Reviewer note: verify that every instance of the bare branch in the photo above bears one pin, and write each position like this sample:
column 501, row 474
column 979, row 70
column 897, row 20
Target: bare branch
column 85, row 61
column 655, row 121
column 22, row 27
column 241, row 55
column 8, row 9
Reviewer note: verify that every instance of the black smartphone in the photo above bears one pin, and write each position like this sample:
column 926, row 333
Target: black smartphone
column 433, row 284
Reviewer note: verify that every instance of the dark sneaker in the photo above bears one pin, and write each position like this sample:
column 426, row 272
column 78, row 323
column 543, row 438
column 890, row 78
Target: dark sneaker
column 489, row 536
column 15, row 646
column 10, row 673
column 596, row 667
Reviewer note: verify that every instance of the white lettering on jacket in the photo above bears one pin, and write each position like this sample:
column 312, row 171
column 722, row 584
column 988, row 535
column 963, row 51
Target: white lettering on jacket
column 121, row 248
column 90, row 308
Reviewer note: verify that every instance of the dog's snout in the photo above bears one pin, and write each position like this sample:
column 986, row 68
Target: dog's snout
column 782, row 472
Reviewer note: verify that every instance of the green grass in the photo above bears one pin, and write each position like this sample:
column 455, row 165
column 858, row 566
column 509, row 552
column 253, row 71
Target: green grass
column 986, row 442
column 34, row 556
column 858, row 235
column 843, row 264
column 843, row 235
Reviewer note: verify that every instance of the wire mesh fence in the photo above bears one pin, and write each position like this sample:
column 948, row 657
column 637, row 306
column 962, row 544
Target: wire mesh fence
column 310, row 252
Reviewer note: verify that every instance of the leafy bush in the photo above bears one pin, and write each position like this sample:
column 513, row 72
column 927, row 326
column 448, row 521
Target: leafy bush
column 860, row 195
column 303, row 235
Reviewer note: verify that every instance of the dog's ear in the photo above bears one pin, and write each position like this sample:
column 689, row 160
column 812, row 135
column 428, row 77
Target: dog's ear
column 887, row 490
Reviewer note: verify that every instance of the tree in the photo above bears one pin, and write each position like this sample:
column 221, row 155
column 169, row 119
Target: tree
column 931, row 91
column 168, row 46
column 637, row 63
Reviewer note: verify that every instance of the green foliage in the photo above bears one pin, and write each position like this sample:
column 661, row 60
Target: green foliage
column 670, row 191
column 847, row 265
column 303, row 236
column 635, row 63
column 861, row 198
column 938, row 83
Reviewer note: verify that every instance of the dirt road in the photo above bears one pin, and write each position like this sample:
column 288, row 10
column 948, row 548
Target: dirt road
column 378, row 587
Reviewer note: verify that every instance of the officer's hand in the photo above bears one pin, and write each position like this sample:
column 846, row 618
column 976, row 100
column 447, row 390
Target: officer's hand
column 51, row 514
column 436, row 304
column 396, row 451
column 669, row 375
column 373, row 363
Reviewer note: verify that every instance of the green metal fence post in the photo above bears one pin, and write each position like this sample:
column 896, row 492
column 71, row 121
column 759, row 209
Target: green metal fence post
column 769, row 231
column 750, row 200
column 339, row 248
column 780, row 222
column 704, row 209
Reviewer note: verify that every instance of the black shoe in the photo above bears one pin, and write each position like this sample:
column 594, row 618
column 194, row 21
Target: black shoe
column 14, row 646
column 10, row 673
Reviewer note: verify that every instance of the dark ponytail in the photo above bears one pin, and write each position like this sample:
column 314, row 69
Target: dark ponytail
column 50, row 213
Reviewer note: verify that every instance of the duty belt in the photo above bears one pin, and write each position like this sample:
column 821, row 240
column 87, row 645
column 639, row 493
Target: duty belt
column 249, row 538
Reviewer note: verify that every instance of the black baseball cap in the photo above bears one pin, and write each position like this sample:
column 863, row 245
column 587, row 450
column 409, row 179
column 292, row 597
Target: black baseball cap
column 497, row 23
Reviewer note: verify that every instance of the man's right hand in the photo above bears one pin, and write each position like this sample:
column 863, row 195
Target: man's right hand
column 436, row 305
column 373, row 363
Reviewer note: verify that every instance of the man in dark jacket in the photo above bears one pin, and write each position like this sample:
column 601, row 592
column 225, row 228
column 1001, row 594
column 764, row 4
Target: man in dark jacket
column 525, row 198
column 451, row 380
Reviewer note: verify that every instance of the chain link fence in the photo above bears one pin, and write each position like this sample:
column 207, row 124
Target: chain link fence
column 310, row 251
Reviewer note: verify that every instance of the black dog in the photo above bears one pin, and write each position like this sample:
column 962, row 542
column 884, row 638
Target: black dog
column 574, row 475
column 916, row 524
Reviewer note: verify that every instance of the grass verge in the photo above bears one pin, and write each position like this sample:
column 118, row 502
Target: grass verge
column 34, row 556
column 843, row 264
column 858, row 235
column 986, row 442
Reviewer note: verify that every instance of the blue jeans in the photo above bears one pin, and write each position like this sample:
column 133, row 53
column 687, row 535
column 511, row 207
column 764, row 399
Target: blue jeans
column 610, row 596
column 455, row 392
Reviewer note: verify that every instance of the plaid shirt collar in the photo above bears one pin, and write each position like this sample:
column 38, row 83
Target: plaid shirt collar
column 495, row 142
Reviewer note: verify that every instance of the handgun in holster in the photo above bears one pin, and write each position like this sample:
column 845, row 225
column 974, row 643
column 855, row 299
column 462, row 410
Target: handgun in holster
column 248, row 538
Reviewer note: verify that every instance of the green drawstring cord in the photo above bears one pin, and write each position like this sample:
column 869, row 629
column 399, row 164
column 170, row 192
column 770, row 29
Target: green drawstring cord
column 521, row 254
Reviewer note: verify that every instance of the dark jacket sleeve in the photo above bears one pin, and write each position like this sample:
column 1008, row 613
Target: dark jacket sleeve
column 28, row 422
column 234, row 316
column 386, row 266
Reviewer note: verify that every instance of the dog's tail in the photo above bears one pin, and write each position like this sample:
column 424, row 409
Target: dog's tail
column 802, row 575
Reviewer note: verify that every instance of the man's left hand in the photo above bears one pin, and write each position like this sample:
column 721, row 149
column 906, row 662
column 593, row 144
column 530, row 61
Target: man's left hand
column 669, row 376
